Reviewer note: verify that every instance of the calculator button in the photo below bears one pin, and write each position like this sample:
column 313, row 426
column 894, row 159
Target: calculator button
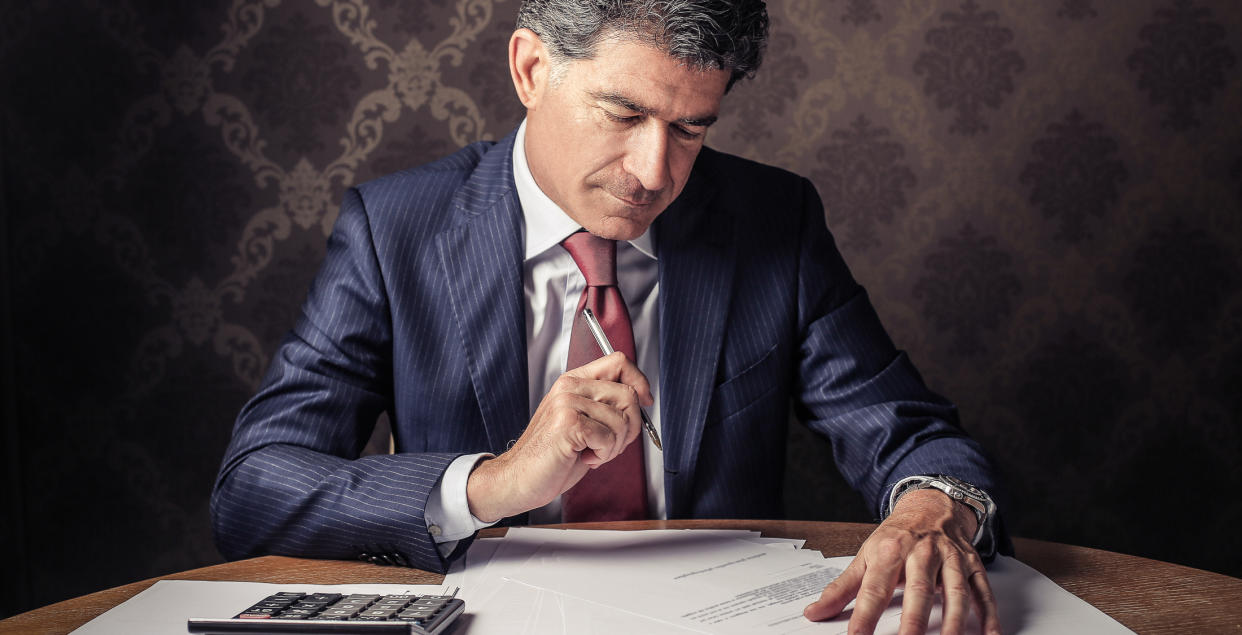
column 340, row 612
column 255, row 610
column 417, row 613
column 322, row 597
column 254, row 616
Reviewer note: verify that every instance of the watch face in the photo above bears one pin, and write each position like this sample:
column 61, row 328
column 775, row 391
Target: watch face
column 964, row 486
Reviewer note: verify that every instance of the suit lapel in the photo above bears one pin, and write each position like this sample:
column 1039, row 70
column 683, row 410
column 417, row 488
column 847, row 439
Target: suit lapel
column 482, row 259
column 695, row 250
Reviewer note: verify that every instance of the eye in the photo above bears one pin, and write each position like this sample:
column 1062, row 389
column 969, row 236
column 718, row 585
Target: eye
column 688, row 135
column 620, row 118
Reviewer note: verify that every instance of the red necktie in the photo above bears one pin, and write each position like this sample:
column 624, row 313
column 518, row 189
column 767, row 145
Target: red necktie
column 616, row 490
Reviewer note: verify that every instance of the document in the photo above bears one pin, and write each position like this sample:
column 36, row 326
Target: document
column 712, row 584
column 718, row 581
column 498, row 604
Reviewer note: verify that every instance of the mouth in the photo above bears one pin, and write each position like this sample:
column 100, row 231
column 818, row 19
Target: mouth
column 645, row 202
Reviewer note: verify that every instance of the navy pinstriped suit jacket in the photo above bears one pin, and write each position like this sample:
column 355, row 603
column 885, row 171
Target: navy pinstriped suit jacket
column 419, row 311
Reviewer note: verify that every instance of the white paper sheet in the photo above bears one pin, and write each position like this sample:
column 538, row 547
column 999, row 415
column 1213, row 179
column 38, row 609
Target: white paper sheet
column 498, row 605
column 708, row 583
column 165, row 606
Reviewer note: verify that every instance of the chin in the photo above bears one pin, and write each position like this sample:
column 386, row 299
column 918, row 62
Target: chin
column 621, row 227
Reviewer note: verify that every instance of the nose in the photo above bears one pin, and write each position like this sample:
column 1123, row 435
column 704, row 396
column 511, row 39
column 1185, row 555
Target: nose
column 647, row 157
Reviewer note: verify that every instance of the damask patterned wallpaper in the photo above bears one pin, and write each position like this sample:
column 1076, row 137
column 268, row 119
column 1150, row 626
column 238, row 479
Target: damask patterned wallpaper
column 1044, row 199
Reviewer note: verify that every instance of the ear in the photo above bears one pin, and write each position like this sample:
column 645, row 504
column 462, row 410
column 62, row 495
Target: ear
column 529, row 65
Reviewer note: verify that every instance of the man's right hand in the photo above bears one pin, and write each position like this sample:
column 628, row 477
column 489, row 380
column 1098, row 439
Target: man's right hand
column 588, row 417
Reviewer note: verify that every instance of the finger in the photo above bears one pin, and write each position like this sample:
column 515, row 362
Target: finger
column 989, row 615
column 877, row 586
column 622, row 424
column 920, row 591
column 957, row 598
column 621, row 397
column 618, row 368
column 595, row 442
column 837, row 594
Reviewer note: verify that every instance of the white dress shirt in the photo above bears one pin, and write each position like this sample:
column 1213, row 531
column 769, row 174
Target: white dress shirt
column 553, row 285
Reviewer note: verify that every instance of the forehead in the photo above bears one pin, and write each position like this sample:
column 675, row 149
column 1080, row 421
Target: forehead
column 651, row 78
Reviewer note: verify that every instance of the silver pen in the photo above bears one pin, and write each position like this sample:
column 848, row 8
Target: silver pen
column 606, row 346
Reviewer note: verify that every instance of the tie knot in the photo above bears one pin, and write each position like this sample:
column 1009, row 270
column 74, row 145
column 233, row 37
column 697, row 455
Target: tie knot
column 596, row 257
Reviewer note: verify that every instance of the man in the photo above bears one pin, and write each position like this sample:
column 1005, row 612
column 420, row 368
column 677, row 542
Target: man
column 450, row 298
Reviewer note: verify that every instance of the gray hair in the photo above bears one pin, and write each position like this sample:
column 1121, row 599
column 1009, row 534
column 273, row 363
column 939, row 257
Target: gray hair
column 705, row 34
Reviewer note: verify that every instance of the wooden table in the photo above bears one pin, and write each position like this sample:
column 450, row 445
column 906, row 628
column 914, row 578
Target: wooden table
column 1148, row 596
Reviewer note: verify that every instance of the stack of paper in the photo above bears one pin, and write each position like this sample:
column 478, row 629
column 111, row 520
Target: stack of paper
column 164, row 607
column 701, row 581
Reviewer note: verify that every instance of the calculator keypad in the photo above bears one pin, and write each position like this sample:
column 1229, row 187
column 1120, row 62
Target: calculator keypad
column 419, row 609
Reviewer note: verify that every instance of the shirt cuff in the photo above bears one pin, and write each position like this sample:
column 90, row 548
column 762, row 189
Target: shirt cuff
column 447, row 512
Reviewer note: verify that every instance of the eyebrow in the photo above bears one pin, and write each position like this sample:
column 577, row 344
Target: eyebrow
column 627, row 103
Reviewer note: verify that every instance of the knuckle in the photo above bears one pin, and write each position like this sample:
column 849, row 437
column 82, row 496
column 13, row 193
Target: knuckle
column 923, row 550
column 965, row 560
column 920, row 587
column 972, row 560
column 916, row 621
column 957, row 592
column 565, row 383
column 890, row 549
column 873, row 595
column 631, row 395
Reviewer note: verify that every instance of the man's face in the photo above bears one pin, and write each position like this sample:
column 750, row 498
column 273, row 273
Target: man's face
column 613, row 140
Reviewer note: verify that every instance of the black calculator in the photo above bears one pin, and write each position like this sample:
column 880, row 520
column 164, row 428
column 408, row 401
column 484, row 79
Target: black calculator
column 341, row 614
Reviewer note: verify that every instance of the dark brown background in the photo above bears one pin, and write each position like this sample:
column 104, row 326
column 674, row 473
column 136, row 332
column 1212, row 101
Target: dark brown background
column 1044, row 199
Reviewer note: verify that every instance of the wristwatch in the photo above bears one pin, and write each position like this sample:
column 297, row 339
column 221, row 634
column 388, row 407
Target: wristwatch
column 972, row 497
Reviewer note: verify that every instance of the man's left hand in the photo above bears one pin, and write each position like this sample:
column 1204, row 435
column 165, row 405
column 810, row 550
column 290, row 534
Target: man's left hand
column 925, row 544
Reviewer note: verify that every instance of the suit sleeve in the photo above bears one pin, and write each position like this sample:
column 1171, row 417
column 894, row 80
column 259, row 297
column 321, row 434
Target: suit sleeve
column 292, row 482
column 864, row 395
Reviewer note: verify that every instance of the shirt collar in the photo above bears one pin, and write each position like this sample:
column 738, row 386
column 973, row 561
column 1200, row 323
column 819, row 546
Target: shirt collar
column 546, row 224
